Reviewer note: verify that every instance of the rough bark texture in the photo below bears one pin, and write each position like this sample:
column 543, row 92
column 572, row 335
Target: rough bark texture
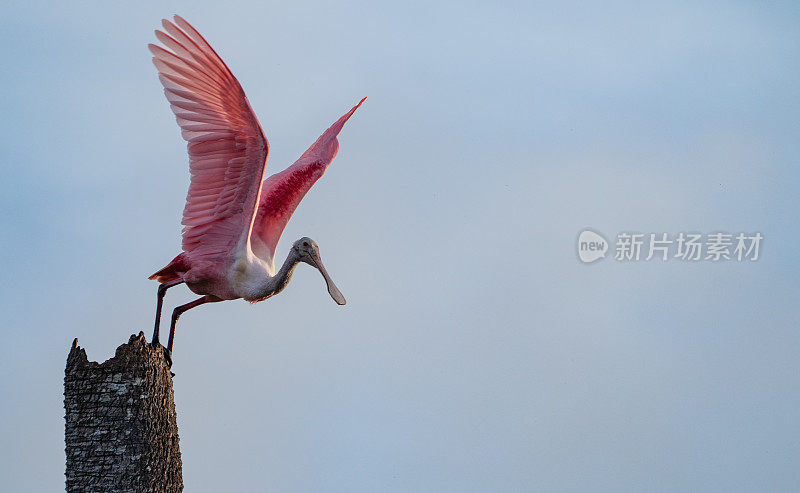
column 121, row 433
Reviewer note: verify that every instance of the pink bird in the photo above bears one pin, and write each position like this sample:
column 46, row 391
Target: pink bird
column 232, row 221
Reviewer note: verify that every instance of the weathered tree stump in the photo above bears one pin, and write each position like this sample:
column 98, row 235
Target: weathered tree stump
column 121, row 433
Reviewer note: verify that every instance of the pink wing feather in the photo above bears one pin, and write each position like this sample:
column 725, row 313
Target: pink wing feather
column 283, row 191
column 227, row 147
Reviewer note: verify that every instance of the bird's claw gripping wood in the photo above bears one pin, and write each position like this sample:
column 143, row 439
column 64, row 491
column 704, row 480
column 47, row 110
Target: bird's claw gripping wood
column 233, row 218
column 167, row 356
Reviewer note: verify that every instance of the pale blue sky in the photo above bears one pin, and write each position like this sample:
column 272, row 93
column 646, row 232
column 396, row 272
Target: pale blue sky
column 475, row 353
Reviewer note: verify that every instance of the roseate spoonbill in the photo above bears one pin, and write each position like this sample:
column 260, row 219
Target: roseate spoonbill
column 232, row 221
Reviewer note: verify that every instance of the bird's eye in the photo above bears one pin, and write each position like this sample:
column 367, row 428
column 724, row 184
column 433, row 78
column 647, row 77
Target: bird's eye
column 305, row 243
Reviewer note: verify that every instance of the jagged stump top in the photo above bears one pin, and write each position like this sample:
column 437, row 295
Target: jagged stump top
column 121, row 430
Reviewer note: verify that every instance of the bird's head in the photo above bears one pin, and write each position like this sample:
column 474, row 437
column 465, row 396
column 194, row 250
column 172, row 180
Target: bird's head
column 307, row 251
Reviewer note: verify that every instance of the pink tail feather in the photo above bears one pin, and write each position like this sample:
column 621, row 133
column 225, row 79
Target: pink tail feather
column 174, row 270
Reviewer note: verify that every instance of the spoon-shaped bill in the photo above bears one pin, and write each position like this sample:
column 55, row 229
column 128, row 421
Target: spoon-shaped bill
column 337, row 295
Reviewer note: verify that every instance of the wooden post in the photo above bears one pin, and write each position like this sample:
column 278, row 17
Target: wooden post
column 121, row 433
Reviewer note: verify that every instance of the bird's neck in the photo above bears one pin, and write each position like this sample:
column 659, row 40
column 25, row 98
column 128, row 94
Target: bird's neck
column 273, row 285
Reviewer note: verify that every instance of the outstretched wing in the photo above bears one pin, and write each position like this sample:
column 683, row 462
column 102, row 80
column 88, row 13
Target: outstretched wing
column 227, row 147
column 283, row 191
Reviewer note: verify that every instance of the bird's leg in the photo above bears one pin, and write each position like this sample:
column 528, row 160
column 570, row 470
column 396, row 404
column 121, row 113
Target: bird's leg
column 176, row 314
column 162, row 290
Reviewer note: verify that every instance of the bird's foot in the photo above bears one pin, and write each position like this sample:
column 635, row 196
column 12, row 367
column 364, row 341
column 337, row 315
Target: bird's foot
column 167, row 354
